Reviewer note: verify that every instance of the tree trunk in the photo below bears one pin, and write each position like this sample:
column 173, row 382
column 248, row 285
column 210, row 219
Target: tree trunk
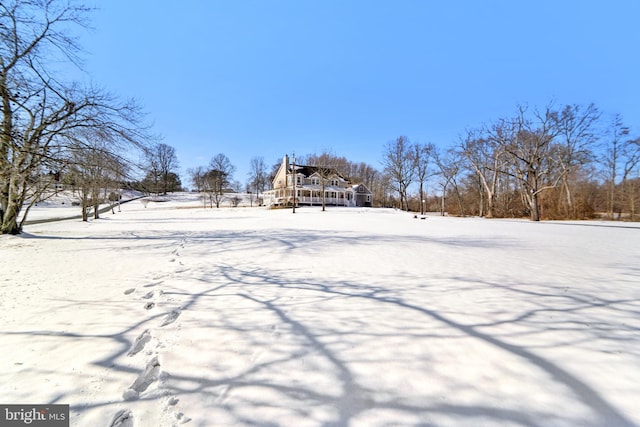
column 404, row 200
column 10, row 218
column 324, row 194
column 85, row 211
column 570, row 210
column 460, row 204
column 632, row 207
column 491, row 198
column 95, row 201
column 612, row 199
column 5, row 142
column 535, row 207
column 13, row 205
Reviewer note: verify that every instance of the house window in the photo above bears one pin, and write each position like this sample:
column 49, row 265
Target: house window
column 315, row 181
column 298, row 180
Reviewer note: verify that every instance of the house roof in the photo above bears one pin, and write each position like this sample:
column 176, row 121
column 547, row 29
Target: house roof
column 361, row 188
column 304, row 170
column 307, row 171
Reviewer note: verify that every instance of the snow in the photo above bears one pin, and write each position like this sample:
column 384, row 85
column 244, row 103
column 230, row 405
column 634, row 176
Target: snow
column 172, row 314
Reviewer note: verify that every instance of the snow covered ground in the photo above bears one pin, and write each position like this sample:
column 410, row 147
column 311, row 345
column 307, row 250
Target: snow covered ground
column 178, row 315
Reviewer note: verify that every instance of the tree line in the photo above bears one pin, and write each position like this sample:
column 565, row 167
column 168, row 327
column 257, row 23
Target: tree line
column 554, row 163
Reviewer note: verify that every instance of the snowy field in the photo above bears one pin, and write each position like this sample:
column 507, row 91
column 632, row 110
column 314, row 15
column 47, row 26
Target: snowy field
column 178, row 315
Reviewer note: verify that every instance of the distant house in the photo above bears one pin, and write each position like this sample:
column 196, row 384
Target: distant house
column 309, row 181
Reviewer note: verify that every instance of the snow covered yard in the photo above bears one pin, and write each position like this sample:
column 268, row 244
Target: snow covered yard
column 351, row 317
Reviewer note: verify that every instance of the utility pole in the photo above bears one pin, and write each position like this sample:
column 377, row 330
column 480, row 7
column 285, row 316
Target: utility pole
column 294, row 182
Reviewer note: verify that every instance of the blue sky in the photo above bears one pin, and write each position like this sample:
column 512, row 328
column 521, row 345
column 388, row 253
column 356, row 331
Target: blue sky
column 267, row 78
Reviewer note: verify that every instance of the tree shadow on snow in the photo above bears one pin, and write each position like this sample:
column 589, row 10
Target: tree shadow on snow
column 321, row 346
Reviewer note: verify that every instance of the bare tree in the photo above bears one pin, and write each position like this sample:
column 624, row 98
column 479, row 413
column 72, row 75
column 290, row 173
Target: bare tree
column 41, row 115
column 162, row 162
column 577, row 137
column 235, row 200
column 326, row 166
column 422, row 156
column 630, row 161
column 220, row 175
column 258, row 176
column 449, row 166
column 399, row 164
column 531, row 153
column 363, row 173
column 198, row 180
column 383, row 190
column 151, row 182
column 486, row 157
column 196, row 177
column 95, row 172
column 613, row 155
column 214, row 184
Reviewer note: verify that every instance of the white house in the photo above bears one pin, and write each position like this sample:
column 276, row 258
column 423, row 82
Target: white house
column 309, row 182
